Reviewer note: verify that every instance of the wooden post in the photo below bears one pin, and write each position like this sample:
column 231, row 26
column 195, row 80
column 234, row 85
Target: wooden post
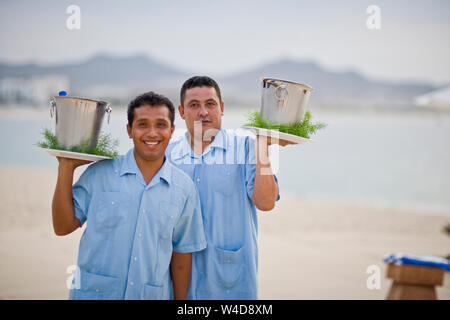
column 411, row 282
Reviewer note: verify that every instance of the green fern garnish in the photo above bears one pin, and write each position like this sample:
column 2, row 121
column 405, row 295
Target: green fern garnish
column 106, row 146
column 303, row 129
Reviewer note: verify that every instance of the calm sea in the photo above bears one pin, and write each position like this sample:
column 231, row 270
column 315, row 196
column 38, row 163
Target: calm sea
column 392, row 160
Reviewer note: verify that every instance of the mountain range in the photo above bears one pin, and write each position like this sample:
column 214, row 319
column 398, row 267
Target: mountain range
column 121, row 78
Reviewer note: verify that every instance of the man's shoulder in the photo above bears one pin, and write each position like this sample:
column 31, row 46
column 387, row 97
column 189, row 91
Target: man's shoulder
column 180, row 178
column 173, row 144
column 175, row 141
column 105, row 166
column 239, row 136
column 242, row 143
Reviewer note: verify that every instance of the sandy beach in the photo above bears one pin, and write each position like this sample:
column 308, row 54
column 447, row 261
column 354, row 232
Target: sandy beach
column 307, row 250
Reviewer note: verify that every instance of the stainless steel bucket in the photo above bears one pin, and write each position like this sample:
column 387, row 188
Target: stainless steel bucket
column 284, row 101
column 78, row 120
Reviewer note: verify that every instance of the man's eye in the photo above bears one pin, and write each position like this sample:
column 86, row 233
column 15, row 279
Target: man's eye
column 194, row 105
column 162, row 125
column 142, row 125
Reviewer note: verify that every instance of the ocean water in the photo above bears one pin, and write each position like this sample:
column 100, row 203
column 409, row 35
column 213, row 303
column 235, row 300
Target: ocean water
column 389, row 160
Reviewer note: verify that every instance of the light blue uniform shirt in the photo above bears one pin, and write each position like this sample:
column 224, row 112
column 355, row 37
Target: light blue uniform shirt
column 132, row 229
column 224, row 175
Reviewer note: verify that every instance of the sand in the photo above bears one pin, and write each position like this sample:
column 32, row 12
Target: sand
column 307, row 249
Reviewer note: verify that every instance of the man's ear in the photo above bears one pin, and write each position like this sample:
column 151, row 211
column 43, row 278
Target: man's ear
column 129, row 130
column 222, row 106
column 181, row 111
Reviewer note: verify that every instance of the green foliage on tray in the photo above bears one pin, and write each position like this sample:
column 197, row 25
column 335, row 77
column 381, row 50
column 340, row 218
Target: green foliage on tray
column 304, row 129
column 106, row 146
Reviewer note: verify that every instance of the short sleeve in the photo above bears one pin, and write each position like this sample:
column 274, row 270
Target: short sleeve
column 189, row 235
column 250, row 167
column 82, row 192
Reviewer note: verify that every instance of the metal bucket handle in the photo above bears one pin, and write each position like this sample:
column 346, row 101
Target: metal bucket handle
column 52, row 102
column 52, row 107
column 282, row 95
column 108, row 110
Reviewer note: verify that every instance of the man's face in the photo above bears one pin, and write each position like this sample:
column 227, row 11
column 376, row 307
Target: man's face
column 202, row 104
column 151, row 131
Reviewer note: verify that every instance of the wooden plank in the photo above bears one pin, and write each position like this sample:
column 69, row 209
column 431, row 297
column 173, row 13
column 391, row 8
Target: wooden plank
column 416, row 275
column 411, row 292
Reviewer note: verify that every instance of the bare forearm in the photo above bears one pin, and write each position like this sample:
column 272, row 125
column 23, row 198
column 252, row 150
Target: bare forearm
column 180, row 268
column 265, row 189
column 63, row 212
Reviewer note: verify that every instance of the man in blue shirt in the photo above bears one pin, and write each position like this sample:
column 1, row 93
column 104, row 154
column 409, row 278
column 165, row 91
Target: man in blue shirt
column 143, row 214
column 234, row 177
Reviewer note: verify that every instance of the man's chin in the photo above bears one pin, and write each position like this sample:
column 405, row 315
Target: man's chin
column 152, row 157
column 209, row 130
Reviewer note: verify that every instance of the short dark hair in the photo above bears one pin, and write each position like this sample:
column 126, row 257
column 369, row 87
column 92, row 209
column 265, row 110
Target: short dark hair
column 151, row 99
column 199, row 81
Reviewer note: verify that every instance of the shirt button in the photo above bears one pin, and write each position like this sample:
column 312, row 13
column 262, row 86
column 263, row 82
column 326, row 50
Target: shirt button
column 143, row 211
column 135, row 258
column 228, row 291
column 140, row 235
column 198, row 179
column 131, row 283
column 97, row 290
column 112, row 202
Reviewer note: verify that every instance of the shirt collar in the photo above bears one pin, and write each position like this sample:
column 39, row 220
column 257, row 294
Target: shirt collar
column 184, row 147
column 129, row 165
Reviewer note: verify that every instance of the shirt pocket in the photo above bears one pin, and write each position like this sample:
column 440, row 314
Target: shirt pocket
column 109, row 210
column 168, row 214
column 225, row 179
column 228, row 266
column 151, row 292
column 95, row 286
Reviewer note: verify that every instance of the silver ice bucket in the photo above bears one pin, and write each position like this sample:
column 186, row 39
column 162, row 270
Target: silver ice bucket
column 284, row 101
column 78, row 120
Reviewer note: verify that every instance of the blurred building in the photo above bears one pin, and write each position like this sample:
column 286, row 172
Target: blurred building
column 34, row 91
column 439, row 99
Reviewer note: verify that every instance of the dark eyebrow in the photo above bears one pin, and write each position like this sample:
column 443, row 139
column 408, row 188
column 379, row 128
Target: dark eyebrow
column 191, row 101
column 146, row 120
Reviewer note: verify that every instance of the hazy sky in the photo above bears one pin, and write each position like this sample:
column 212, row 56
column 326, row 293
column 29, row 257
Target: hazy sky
column 221, row 37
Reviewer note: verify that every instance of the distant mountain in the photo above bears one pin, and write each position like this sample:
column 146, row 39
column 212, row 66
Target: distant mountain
column 123, row 77
column 110, row 75
column 328, row 86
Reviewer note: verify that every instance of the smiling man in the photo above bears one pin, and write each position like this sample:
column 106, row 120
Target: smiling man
column 233, row 176
column 143, row 214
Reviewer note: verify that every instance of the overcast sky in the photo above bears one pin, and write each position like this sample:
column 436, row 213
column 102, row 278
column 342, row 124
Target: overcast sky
column 223, row 37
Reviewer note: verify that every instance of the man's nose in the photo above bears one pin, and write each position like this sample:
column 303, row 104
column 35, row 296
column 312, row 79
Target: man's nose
column 152, row 132
column 203, row 111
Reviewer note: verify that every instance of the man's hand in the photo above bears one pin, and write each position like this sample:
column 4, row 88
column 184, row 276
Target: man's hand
column 71, row 163
column 281, row 142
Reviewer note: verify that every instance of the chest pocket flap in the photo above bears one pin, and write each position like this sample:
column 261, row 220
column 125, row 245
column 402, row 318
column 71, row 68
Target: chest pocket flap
column 108, row 210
